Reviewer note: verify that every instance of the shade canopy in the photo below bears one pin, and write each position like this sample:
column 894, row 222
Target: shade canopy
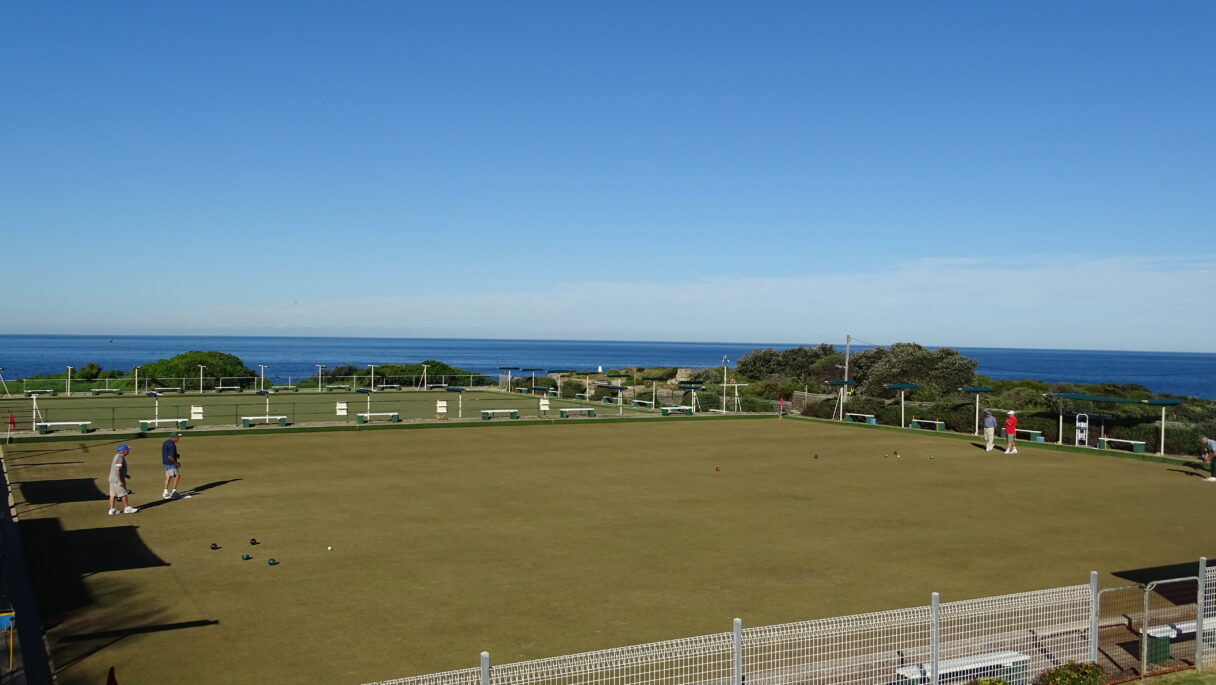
column 841, row 382
column 901, row 386
column 977, row 389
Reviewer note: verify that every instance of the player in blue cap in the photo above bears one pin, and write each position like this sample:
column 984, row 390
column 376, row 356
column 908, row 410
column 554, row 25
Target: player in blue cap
column 171, row 460
column 118, row 478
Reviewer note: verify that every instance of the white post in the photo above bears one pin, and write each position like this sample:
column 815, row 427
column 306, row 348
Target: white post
column 848, row 343
column 1060, row 436
column 1093, row 617
column 373, row 385
column 485, row 668
column 200, row 378
column 977, row 413
column 262, row 382
column 424, row 376
column 902, row 423
column 1161, row 445
column 320, row 387
column 737, row 649
column 137, row 379
column 68, row 392
column 1201, row 609
column 724, row 360
column 935, row 637
column 460, row 405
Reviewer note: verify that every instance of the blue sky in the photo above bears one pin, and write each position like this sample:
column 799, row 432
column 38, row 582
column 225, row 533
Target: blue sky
column 1010, row 174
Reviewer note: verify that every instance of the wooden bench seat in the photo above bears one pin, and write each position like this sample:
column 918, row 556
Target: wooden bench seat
column 44, row 426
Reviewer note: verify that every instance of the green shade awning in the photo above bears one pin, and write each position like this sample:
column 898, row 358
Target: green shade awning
column 1162, row 403
column 901, row 386
column 841, row 382
column 1090, row 398
column 977, row 389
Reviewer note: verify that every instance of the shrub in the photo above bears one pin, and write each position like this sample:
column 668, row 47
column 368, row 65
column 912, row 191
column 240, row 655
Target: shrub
column 1072, row 673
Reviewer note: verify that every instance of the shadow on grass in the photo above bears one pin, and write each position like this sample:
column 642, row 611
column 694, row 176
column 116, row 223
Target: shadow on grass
column 59, row 560
column 1144, row 576
column 137, row 630
column 191, row 492
column 63, row 490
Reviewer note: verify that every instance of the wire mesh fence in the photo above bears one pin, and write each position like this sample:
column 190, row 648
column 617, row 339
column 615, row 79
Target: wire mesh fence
column 1010, row 636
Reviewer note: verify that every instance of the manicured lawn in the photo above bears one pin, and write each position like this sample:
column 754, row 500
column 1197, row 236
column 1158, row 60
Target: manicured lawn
column 536, row 541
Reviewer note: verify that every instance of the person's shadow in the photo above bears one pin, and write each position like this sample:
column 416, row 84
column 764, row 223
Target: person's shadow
column 192, row 492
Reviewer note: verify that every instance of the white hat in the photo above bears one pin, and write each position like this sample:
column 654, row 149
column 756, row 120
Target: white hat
column 1011, row 412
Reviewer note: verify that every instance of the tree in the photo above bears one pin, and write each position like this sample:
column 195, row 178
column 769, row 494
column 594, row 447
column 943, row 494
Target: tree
column 185, row 365
column 937, row 372
column 760, row 364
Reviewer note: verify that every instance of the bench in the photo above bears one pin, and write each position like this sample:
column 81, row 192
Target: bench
column 388, row 386
column 565, row 413
column 366, row 417
column 97, row 391
column 1136, row 446
column 331, row 388
column 34, row 393
column 247, row 421
column 665, row 411
column 144, row 424
column 487, row 414
column 582, row 396
column 222, row 388
column 610, row 400
column 1035, row 436
column 643, row 403
column 436, row 386
column 1012, row 667
column 928, row 424
column 1159, row 638
column 44, row 427
column 522, row 391
column 164, row 390
column 861, row 418
column 284, row 388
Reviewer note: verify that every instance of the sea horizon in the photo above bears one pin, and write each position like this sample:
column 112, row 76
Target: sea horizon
column 22, row 355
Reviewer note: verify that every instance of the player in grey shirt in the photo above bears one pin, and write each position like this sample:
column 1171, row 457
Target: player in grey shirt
column 118, row 481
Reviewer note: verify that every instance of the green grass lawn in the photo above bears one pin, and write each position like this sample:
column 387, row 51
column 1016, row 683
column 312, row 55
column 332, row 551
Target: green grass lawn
column 226, row 409
column 536, row 541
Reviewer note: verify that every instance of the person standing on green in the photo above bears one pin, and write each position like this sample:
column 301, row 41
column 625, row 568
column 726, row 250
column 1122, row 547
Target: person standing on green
column 170, row 459
column 1209, row 455
column 989, row 430
column 117, row 478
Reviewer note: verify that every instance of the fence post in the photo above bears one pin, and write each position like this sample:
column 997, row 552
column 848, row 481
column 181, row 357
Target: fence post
column 485, row 668
column 1093, row 617
column 1201, row 609
column 737, row 647
column 934, row 637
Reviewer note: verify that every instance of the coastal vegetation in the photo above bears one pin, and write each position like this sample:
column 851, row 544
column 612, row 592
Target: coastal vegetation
column 761, row 380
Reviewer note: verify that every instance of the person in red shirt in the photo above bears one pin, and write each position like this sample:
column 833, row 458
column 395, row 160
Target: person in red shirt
column 1011, row 432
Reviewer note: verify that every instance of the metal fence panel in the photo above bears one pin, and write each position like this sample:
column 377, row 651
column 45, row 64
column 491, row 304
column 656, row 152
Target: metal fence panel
column 1120, row 612
column 1050, row 627
column 1170, row 621
column 866, row 649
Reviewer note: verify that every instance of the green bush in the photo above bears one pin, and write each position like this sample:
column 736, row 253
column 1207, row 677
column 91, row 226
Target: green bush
column 1072, row 673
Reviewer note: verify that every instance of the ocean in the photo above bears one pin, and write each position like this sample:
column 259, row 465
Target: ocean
column 1178, row 373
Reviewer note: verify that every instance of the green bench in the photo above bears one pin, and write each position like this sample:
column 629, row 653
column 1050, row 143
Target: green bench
column 1136, row 446
column 35, row 393
column 667, row 411
column 97, row 391
column 565, row 413
column 248, row 421
column 928, row 424
column 145, row 424
column 366, row 417
column 44, row 427
column 861, row 418
column 487, row 414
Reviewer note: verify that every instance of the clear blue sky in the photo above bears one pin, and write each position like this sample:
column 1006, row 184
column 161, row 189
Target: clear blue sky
column 1017, row 174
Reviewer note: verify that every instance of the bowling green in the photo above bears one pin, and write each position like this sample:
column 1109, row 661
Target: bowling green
column 532, row 541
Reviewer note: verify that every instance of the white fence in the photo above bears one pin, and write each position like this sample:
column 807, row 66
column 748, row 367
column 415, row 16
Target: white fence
column 940, row 643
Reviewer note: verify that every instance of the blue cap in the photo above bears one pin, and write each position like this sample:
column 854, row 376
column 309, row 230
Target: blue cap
column 123, row 447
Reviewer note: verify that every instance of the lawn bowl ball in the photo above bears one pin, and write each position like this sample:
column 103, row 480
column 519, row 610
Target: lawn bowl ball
column 271, row 562
column 253, row 541
column 717, row 468
column 330, row 548
column 816, row 456
column 214, row 546
column 246, row 557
